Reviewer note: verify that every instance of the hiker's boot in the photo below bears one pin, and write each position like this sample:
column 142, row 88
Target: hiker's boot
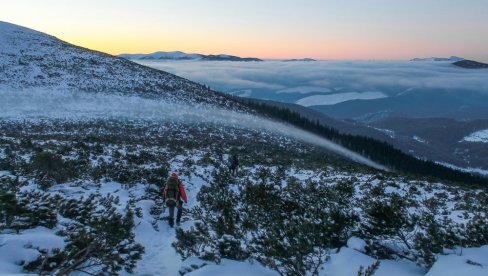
column 171, row 222
column 179, row 214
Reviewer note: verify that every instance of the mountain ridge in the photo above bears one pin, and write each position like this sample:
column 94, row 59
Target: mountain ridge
column 451, row 58
column 179, row 55
column 34, row 60
column 299, row 59
column 470, row 64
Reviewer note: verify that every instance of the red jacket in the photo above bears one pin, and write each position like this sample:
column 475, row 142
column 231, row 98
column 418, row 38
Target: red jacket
column 182, row 191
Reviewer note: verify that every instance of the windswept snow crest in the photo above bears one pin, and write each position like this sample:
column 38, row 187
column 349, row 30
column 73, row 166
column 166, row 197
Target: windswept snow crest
column 34, row 105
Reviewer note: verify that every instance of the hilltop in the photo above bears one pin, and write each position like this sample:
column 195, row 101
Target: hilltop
column 34, row 60
column 470, row 64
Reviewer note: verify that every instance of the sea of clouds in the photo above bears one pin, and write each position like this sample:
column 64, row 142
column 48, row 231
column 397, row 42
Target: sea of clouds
column 295, row 81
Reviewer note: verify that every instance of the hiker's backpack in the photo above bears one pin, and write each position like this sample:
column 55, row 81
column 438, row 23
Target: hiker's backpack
column 172, row 192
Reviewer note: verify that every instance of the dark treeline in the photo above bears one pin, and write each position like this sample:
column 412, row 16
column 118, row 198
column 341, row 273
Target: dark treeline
column 378, row 151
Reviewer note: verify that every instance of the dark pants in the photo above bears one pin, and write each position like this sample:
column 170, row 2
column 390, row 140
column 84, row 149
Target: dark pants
column 178, row 213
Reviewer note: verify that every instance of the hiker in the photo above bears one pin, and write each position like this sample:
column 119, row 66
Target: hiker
column 233, row 164
column 174, row 194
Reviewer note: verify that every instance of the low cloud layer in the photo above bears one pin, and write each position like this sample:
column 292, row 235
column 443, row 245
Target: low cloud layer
column 391, row 78
column 34, row 105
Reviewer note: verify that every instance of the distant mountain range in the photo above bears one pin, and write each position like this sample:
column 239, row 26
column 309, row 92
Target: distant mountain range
column 178, row 55
column 452, row 59
column 300, row 59
column 458, row 61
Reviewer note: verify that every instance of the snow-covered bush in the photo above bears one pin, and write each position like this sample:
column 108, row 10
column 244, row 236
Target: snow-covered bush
column 98, row 240
column 291, row 206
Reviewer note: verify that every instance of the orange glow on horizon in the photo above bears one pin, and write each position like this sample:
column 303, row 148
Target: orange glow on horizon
column 272, row 29
column 327, row 50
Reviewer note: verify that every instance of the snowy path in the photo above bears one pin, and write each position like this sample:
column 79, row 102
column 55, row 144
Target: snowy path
column 160, row 258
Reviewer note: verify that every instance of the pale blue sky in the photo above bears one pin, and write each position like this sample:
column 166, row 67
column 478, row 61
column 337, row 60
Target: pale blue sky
column 354, row 29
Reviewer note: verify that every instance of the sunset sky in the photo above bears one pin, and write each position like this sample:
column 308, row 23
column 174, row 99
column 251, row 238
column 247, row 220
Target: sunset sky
column 335, row 29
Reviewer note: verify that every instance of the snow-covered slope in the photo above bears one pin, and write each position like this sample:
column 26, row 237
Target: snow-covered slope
column 117, row 167
column 480, row 136
column 31, row 59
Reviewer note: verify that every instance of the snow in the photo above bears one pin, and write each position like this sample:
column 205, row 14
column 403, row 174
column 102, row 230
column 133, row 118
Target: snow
column 336, row 98
column 4, row 173
column 347, row 262
column 480, row 136
column 230, row 267
column 23, row 247
column 388, row 132
column 419, row 139
column 398, row 268
column 10, row 32
column 160, row 257
column 356, row 244
column 32, row 59
column 468, row 261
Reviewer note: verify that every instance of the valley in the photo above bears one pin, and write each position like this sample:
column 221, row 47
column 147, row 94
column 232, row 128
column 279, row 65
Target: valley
column 369, row 98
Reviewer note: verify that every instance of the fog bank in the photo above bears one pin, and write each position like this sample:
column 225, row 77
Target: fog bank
column 79, row 106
